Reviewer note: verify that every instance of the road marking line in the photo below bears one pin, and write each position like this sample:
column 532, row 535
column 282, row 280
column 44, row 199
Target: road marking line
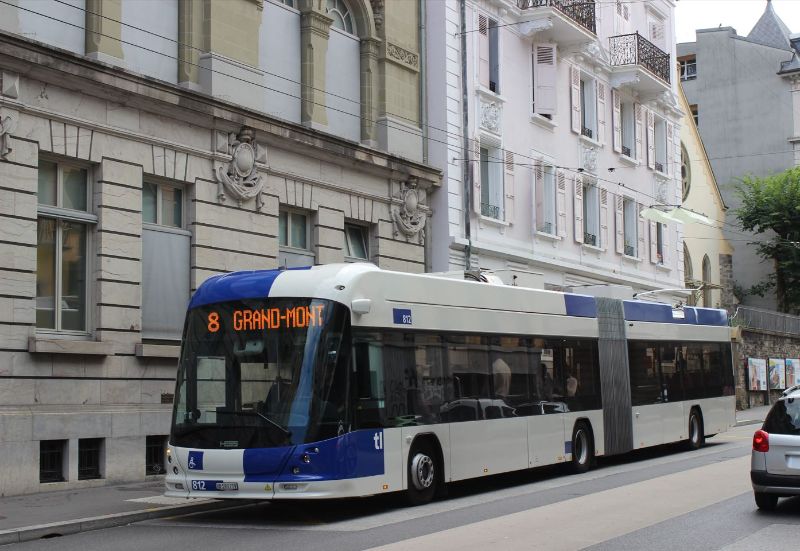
column 580, row 522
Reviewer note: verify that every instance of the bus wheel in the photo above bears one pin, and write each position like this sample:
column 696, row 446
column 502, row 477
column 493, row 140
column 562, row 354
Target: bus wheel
column 696, row 437
column 582, row 447
column 422, row 475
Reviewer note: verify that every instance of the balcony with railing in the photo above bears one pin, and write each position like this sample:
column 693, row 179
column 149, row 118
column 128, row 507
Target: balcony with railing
column 564, row 21
column 632, row 55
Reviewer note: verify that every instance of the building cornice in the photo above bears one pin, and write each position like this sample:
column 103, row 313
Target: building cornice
column 38, row 61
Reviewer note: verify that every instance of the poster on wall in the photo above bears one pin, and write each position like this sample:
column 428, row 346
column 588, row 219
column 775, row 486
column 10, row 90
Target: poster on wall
column 757, row 369
column 792, row 372
column 777, row 373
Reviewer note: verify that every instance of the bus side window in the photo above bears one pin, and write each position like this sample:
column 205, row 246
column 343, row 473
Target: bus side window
column 370, row 404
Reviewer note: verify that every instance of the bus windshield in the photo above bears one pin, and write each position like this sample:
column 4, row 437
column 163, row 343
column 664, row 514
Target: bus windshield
column 262, row 373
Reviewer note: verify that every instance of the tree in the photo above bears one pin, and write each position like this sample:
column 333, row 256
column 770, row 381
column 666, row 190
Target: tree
column 771, row 206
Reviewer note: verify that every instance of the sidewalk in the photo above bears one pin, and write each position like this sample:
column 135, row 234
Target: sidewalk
column 63, row 512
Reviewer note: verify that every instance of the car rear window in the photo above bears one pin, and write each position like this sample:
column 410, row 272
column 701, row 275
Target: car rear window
column 784, row 417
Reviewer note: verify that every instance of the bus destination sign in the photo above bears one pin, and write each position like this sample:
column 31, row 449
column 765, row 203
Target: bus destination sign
column 289, row 317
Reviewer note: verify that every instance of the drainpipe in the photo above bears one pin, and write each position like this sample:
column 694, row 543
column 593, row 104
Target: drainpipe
column 466, row 163
column 423, row 79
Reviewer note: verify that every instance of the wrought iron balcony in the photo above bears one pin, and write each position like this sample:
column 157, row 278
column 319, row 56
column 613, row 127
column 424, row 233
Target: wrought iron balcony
column 634, row 49
column 492, row 211
column 581, row 12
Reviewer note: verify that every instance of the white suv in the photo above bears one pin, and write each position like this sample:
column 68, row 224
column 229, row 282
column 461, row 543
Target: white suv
column 775, row 461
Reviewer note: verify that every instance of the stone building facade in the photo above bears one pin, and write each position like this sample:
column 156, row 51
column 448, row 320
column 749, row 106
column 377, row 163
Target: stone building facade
column 136, row 160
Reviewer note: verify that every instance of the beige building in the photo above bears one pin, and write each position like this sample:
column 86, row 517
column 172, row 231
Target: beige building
column 707, row 254
column 145, row 146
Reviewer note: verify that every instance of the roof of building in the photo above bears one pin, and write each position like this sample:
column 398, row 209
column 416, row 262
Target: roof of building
column 770, row 30
column 793, row 65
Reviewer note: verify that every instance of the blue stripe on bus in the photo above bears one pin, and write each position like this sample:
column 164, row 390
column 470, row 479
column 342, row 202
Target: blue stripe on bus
column 663, row 313
column 236, row 286
column 581, row 306
column 352, row 455
column 711, row 316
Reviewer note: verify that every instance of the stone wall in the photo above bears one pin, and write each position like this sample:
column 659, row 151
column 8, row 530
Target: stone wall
column 758, row 344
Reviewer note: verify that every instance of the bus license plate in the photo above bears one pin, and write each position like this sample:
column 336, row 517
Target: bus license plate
column 214, row 486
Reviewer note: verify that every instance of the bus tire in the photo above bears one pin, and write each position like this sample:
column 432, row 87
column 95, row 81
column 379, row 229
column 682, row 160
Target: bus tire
column 696, row 434
column 582, row 447
column 423, row 475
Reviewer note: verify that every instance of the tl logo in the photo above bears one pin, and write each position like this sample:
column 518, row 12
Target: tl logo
column 378, row 439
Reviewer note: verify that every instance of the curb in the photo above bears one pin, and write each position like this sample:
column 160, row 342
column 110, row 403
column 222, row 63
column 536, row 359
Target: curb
column 68, row 527
column 749, row 422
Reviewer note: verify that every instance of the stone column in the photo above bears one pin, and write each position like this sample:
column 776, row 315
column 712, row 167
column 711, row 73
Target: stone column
column 191, row 41
column 727, row 298
column 370, row 50
column 314, row 32
column 103, row 30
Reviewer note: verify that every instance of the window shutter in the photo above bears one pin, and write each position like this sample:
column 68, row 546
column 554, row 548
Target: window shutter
column 544, row 81
column 483, row 50
column 508, row 184
column 476, row 176
column 561, row 204
column 578, row 205
column 640, row 232
column 665, row 251
column 616, row 121
column 538, row 192
column 651, row 139
column 670, row 151
column 619, row 224
column 653, row 242
column 639, row 131
column 604, row 218
column 626, row 13
column 575, row 97
column 657, row 33
column 601, row 111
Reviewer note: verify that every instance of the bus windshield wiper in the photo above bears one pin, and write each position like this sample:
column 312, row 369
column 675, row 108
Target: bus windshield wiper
column 275, row 424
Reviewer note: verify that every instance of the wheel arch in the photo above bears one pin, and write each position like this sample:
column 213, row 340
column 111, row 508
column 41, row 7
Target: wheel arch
column 431, row 439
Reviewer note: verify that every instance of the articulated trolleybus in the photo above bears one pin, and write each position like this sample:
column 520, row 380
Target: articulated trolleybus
column 348, row 380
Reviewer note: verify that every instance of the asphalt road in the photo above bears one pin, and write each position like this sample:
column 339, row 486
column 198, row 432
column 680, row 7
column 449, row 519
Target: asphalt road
column 655, row 499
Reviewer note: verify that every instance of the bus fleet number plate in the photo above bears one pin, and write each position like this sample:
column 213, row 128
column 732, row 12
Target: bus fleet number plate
column 213, row 485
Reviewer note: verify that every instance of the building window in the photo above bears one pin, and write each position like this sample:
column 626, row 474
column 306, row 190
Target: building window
column 660, row 229
column 686, row 172
column 546, row 199
column 688, row 67
column 355, row 242
column 688, row 276
column 630, row 223
column 695, row 114
column 62, row 267
column 162, row 205
column 588, row 107
column 491, row 183
column 341, row 15
column 544, row 75
column 706, row 282
column 628, row 129
column 488, row 54
column 154, row 454
column 51, row 460
column 660, row 144
column 494, row 57
column 89, row 450
column 293, row 239
column 591, row 215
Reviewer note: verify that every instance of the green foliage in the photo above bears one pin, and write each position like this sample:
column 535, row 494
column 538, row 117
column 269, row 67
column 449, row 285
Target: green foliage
column 771, row 206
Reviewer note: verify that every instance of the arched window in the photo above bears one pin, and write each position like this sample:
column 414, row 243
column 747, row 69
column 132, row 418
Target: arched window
column 688, row 277
column 341, row 15
column 686, row 172
column 706, row 282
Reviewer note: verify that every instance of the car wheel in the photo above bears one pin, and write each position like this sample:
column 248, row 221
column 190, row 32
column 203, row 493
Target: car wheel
column 766, row 502
column 422, row 474
column 696, row 437
column 582, row 448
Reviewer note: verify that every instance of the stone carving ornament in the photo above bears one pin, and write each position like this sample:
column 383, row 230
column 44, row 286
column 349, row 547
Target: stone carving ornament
column 240, row 179
column 590, row 159
column 490, row 116
column 409, row 220
column 7, row 126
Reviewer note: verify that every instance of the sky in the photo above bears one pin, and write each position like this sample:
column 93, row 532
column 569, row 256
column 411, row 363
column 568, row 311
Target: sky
column 739, row 14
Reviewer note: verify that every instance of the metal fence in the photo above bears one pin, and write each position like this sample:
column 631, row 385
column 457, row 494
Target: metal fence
column 633, row 48
column 766, row 320
column 580, row 11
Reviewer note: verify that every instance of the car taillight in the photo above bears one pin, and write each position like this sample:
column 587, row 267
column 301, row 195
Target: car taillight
column 761, row 441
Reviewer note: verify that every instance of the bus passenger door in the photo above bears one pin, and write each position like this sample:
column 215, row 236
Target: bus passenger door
column 546, row 436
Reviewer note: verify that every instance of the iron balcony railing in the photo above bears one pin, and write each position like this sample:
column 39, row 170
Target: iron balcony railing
column 766, row 320
column 629, row 49
column 580, row 11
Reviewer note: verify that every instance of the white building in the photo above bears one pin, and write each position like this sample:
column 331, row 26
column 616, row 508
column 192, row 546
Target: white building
column 572, row 128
